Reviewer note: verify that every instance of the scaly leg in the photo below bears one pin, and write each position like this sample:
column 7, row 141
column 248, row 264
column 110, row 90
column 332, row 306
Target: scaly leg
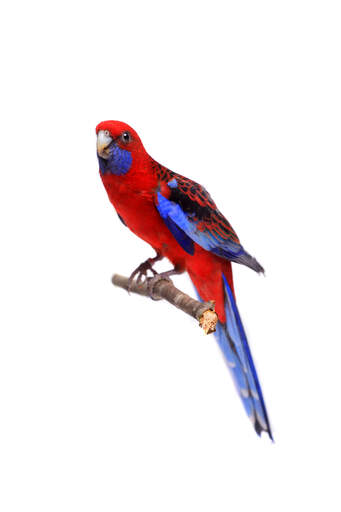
column 142, row 269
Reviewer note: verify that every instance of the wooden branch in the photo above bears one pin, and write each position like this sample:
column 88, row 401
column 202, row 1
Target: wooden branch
column 202, row 311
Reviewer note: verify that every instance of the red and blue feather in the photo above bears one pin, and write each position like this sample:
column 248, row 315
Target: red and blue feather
column 192, row 216
column 179, row 219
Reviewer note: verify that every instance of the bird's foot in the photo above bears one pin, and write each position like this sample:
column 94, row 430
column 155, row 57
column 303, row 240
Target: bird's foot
column 141, row 271
column 163, row 276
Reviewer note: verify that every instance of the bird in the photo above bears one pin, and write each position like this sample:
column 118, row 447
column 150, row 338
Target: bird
column 181, row 222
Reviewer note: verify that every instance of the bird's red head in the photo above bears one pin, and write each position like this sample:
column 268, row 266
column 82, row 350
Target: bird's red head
column 118, row 147
column 123, row 134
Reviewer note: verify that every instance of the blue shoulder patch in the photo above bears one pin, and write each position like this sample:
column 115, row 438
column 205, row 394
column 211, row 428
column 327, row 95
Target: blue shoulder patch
column 172, row 183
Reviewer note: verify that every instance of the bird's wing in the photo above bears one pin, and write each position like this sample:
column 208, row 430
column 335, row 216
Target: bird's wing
column 191, row 215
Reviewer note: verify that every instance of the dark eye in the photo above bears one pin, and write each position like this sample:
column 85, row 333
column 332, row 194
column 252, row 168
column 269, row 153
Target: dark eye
column 126, row 137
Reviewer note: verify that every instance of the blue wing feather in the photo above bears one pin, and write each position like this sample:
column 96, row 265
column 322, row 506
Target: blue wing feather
column 174, row 211
column 184, row 240
column 207, row 238
column 183, row 221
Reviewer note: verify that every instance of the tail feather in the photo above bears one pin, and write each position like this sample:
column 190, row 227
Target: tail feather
column 232, row 340
column 239, row 255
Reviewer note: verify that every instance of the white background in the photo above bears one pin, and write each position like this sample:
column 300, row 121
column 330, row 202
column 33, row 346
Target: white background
column 99, row 411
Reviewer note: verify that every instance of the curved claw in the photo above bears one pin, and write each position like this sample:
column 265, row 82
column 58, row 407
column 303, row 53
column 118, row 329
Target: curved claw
column 142, row 270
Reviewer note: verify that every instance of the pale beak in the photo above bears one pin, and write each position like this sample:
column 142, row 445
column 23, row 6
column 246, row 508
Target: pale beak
column 103, row 141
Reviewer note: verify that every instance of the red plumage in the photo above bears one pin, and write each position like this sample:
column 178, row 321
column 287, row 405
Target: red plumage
column 179, row 219
column 133, row 196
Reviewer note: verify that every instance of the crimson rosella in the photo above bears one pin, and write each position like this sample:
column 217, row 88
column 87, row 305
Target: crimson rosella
column 178, row 218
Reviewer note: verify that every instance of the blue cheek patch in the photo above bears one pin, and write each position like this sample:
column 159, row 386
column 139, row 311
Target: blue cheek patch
column 118, row 163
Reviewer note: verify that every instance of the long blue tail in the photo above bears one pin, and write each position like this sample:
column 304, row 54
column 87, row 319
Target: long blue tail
column 233, row 343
